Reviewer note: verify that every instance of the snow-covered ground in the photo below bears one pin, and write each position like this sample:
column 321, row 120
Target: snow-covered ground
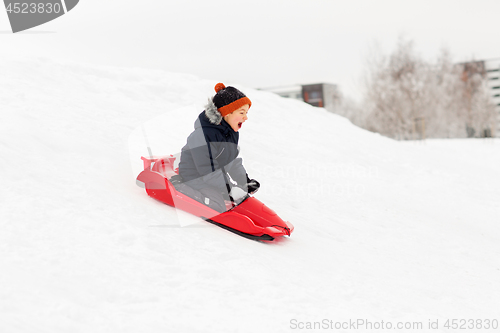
column 399, row 232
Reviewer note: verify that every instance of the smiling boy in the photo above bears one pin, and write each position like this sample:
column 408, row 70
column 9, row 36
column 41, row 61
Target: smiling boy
column 209, row 161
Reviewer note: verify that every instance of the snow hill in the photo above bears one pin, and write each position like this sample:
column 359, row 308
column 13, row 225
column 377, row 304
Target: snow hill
column 398, row 232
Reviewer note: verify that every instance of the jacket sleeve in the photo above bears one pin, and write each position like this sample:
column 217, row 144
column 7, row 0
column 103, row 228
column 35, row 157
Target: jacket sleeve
column 237, row 172
column 227, row 177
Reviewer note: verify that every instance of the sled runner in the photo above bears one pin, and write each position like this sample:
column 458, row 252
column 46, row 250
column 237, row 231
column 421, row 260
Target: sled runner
column 251, row 218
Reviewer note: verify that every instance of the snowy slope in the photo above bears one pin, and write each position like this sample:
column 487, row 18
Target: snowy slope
column 384, row 230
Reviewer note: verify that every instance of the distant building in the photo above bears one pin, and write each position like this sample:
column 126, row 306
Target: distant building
column 489, row 69
column 492, row 68
column 324, row 95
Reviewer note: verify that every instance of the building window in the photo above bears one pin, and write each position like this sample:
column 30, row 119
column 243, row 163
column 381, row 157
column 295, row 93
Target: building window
column 314, row 95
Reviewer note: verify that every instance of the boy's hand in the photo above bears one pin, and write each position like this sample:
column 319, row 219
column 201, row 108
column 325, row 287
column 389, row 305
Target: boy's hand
column 237, row 193
column 253, row 186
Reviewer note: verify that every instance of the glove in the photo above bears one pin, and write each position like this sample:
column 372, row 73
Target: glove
column 253, row 186
column 237, row 194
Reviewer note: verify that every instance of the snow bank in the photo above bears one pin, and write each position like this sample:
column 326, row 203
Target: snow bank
column 384, row 230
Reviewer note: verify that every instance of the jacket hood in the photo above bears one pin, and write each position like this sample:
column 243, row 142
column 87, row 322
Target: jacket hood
column 213, row 115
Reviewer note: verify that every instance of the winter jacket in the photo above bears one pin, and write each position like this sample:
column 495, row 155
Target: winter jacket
column 210, row 156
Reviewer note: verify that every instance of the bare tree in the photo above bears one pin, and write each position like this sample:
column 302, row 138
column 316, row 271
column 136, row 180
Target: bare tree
column 445, row 118
column 396, row 91
column 410, row 98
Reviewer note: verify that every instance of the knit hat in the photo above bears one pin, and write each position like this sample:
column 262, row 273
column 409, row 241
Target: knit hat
column 229, row 99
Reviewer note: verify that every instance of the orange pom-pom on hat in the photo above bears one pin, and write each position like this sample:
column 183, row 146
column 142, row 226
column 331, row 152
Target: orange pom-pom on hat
column 219, row 86
column 229, row 99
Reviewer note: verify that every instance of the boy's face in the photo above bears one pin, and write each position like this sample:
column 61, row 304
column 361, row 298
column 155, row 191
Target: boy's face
column 237, row 118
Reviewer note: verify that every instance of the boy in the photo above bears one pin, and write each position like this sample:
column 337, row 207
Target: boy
column 209, row 161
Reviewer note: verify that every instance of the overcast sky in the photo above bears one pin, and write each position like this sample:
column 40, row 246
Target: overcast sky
column 259, row 43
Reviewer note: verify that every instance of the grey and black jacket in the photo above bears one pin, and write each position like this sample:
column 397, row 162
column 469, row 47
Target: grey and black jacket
column 210, row 156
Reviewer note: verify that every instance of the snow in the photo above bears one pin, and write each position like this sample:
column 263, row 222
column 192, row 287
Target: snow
column 384, row 230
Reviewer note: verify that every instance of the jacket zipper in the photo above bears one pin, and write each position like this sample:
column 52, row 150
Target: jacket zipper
column 220, row 153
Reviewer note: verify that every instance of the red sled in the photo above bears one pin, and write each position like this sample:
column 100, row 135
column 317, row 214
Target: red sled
column 251, row 218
